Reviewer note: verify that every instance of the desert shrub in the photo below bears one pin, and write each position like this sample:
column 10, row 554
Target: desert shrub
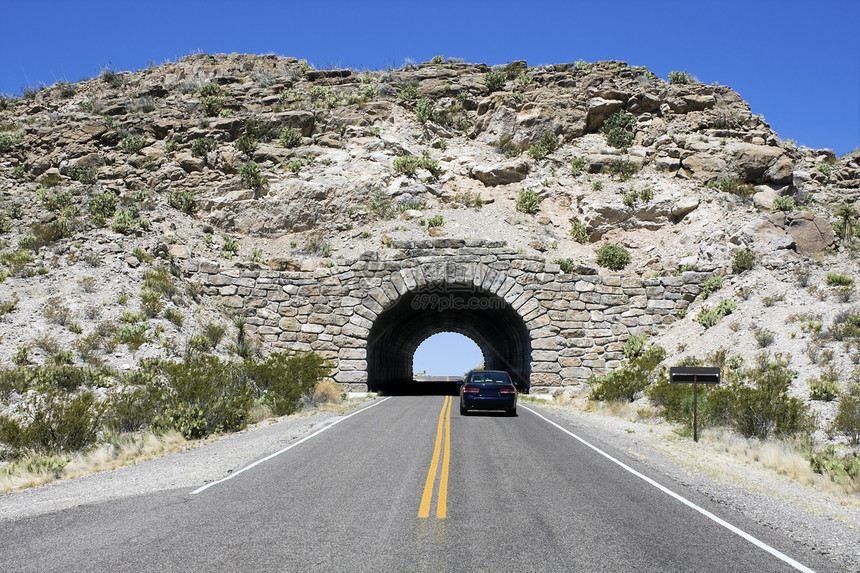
column 625, row 169
column 131, row 410
column 847, row 420
column 634, row 346
column 54, row 423
column 743, row 260
column 783, row 203
column 133, row 336
column 9, row 139
column 291, row 137
column 409, row 164
column 732, row 185
column 756, row 403
column 566, row 265
column 618, row 129
column 408, row 92
column 380, row 203
column 126, row 221
column 630, row 199
column 158, row 279
column 209, row 89
column 203, row 396
column 56, row 311
column 711, row 285
column 435, row 221
column 245, row 144
column 676, row 400
column 102, row 207
column 838, row 279
column 708, row 317
column 528, row 202
column 577, row 164
column 60, row 358
column 250, row 174
column 201, row 146
column 150, row 302
column 823, row 389
column 183, row 200
column 211, row 105
column 579, row 232
column 547, row 143
column 495, row 80
column 174, row 316
column 82, row 174
column 285, row 379
column 507, row 146
column 625, row 383
column 676, row 77
column 132, row 143
column 764, row 337
column 613, row 257
column 424, row 110
column 840, row 468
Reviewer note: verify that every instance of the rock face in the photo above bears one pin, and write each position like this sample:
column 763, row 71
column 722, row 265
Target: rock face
column 220, row 167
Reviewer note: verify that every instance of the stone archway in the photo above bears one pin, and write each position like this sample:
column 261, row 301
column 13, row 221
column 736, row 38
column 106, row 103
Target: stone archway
column 484, row 317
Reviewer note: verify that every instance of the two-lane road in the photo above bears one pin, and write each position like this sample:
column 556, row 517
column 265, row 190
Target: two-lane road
column 408, row 484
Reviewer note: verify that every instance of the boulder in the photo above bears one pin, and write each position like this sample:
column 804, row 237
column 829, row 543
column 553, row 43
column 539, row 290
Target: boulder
column 811, row 233
column 503, row 173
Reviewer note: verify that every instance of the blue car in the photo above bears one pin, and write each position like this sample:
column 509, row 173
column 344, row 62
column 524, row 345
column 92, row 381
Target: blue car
column 488, row 390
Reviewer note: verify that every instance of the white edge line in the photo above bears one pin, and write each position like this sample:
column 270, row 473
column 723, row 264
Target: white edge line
column 291, row 446
column 758, row 543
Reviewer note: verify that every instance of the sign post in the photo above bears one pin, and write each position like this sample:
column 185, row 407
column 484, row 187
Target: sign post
column 694, row 376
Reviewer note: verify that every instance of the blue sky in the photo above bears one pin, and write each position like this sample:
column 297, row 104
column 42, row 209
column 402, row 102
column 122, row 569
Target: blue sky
column 797, row 63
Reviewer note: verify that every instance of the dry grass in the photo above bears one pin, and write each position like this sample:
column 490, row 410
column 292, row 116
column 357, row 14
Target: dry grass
column 327, row 392
column 125, row 451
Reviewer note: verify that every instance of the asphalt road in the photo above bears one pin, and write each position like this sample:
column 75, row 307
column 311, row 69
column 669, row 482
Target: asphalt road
column 522, row 495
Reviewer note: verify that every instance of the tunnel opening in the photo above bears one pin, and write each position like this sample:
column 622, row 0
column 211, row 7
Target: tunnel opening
column 485, row 318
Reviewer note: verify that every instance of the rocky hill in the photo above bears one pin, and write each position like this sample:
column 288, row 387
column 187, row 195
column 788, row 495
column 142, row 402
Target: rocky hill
column 113, row 187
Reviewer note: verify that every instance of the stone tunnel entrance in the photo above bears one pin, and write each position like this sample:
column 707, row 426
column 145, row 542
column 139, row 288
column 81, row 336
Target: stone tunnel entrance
column 488, row 319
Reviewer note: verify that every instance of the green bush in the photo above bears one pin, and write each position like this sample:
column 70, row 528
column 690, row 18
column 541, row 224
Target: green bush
column 9, row 139
column 209, row 89
column 756, row 403
column 823, row 389
column 732, row 185
column 567, row 265
column 158, row 279
column 245, row 144
column 55, row 423
column 625, row 383
column 437, row 59
column 102, row 207
column 613, row 257
column 132, row 143
column 150, row 302
column 618, row 129
column 840, row 468
column 203, row 397
column 201, row 146
column 409, row 164
column 183, row 200
column 495, row 80
column 528, row 202
column 708, row 317
column 676, row 400
column 424, row 110
column 577, row 164
column 680, row 77
column 743, row 260
column 285, row 379
column 838, row 279
column 435, row 221
column 711, row 285
column 82, row 174
column 847, row 420
column 783, row 203
column 291, row 137
column 251, row 174
column 211, row 105
column 623, row 168
column 126, row 221
column 579, row 232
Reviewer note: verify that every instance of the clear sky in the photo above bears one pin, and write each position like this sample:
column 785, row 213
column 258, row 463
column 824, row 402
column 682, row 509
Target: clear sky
column 797, row 63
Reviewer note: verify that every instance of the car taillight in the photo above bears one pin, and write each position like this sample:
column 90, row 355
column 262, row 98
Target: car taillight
column 471, row 390
column 507, row 391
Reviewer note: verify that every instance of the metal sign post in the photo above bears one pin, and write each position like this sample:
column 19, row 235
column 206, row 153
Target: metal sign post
column 694, row 376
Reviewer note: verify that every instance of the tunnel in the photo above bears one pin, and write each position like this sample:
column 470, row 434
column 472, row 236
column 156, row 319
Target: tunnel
column 485, row 318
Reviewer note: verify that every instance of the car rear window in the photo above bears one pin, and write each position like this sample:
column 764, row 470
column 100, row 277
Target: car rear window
column 490, row 377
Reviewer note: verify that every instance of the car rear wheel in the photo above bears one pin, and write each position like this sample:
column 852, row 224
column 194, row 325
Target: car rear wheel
column 463, row 410
column 512, row 411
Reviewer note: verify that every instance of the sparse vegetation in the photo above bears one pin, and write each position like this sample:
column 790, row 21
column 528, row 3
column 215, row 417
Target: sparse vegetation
column 676, row 77
column 528, row 202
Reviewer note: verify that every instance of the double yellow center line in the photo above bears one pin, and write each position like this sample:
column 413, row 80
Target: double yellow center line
column 442, row 499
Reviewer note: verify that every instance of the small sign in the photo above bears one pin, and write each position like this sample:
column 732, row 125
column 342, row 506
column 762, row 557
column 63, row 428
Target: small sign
column 691, row 375
column 695, row 376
